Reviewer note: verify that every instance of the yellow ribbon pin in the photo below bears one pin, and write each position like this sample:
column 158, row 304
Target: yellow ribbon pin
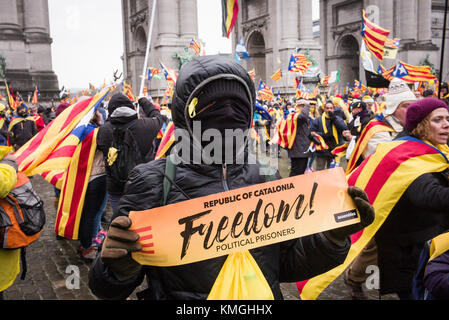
column 192, row 106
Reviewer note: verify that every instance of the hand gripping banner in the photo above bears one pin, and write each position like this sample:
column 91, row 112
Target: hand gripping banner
column 243, row 219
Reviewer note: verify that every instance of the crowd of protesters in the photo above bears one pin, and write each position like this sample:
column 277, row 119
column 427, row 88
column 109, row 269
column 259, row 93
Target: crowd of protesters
column 324, row 123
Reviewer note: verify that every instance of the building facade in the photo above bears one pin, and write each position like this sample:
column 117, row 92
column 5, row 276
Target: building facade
column 174, row 27
column 272, row 30
column 26, row 45
column 418, row 23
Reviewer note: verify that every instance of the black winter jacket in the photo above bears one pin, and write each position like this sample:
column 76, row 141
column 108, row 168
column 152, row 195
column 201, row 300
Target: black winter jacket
column 340, row 125
column 145, row 130
column 22, row 132
column 289, row 261
column 420, row 214
column 300, row 148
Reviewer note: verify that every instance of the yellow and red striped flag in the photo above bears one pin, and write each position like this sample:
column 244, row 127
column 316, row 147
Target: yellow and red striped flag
column 230, row 10
column 374, row 36
column 166, row 142
column 409, row 73
column 277, row 75
column 49, row 152
column 322, row 145
column 35, row 95
column 384, row 176
column 128, row 91
column 286, row 130
column 252, row 74
column 374, row 126
column 75, row 181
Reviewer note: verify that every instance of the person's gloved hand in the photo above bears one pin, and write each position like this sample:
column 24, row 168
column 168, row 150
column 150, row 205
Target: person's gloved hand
column 366, row 212
column 117, row 248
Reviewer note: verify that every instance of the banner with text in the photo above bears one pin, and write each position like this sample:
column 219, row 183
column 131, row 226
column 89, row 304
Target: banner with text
column 243, row 219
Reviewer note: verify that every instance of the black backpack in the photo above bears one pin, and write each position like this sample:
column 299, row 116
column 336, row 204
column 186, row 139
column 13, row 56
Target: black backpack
column 126, row 156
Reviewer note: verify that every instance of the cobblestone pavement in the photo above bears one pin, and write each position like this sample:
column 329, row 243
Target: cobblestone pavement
column 49, row 262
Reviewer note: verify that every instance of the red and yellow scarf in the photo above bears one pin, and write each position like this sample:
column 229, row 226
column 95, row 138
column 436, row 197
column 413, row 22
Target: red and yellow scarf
column 384, row 176
column 373, row 127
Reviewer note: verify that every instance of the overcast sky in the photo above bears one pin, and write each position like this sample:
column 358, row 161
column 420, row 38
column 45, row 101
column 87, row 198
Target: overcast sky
column 88, row 38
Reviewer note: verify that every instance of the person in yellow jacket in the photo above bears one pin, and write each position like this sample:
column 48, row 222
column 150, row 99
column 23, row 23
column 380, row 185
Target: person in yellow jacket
column 9, row 259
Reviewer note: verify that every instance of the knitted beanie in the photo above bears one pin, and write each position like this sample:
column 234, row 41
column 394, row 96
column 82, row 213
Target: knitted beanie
column 398, row 92
column 420, row 109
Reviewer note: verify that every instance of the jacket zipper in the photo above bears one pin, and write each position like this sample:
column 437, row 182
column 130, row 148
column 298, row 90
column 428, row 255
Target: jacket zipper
column 224, row 171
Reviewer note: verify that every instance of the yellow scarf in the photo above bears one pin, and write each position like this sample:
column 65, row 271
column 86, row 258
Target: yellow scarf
column 334, row 129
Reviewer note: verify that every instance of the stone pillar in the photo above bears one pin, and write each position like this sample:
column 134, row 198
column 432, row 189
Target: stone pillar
column 289, row 20
column 168, row 16
column 36, row 19
column 305, row 20
column 406, row 13
column 188, row 16
column 8, row 14
column 424, row 21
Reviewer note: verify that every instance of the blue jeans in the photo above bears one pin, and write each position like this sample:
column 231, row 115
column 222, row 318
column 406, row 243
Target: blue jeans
column 91, row 216
column 114, row 200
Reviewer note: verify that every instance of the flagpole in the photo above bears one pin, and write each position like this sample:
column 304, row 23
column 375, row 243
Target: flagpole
column 442, row 50
column 150, row 34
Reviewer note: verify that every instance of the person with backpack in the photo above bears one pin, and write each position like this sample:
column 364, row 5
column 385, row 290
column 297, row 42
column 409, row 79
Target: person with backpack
column 22, row 127
column 216, row 94
column 127, row 140
column 22, row 217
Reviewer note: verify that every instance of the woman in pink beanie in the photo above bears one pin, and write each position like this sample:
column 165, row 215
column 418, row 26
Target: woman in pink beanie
column 428, row 119
column 420, row 209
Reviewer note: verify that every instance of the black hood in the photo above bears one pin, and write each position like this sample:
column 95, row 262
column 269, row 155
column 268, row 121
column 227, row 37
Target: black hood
column 119, row 100
column 212, row 78
column 218, row 93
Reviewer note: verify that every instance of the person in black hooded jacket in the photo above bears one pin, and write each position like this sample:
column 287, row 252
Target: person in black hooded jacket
column 223, row 96
column 122, row 113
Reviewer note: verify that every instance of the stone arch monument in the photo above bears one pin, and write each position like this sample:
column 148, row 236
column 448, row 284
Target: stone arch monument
column 26, row 45
column 418, row 23
column 174, row 27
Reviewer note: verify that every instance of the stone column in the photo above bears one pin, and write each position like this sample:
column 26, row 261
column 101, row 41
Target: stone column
column 35, row 16
column 289, row 20
column 305, row 20
column 168, row 16
column 406, row 13
column 424, row 21
column 8, row 14
column 188, row 17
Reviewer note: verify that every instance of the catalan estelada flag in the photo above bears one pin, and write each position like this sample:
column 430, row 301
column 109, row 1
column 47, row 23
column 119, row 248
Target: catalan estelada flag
column 277, row 75
column 384, row 176
column 339, row 152
column 376, row 125
column 252, row 74
column 410, row 74
column 128, row 91
column 50, row 151
column 230, row 10
column 319, row 146
column 374, row 36
column 35, row 95
column 170, row 75
column 166, row 142
column 264, row 92
column 74, row 186
column 298, row 63
column 286, row 130
column 197, row 46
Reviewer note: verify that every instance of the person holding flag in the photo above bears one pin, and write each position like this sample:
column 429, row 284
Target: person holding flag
column 219, row 94
column 4, row 125
column 334, row 131
column 123, row 119
column 22, row 127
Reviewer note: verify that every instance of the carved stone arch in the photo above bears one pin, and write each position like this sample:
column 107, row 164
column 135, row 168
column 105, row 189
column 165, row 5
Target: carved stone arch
column 256, row 45
column 347, row 50
column 140, row 40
